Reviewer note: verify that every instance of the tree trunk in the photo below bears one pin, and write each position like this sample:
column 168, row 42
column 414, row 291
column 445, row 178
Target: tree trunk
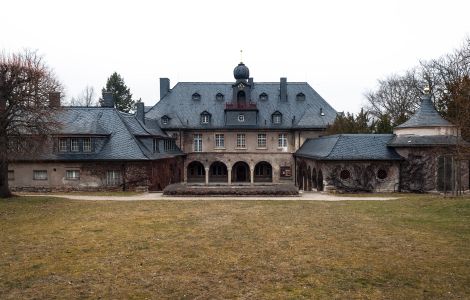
column 4, row 189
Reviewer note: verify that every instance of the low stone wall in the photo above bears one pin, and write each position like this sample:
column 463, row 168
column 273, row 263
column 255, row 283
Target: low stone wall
column 225, row 190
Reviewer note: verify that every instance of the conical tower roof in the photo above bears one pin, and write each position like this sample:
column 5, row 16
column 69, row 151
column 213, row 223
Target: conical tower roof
column 425, row 116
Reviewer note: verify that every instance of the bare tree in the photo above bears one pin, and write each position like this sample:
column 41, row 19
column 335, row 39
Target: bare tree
column 87, row 97
column 25, row 115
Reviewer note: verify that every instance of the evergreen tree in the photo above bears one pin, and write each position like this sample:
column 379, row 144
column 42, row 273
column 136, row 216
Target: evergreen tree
column 348, row 123
column 121, row 93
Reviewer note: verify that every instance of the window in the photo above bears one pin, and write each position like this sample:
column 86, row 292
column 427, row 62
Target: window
column 72, row 174
column 381, row 174
column 74, row 146
column 169, row 145
column 261, row 140
column 113, row 178
column 300, row 97
column 165, row 120
column 196, row 96
column 345, row 174
column 39, row 175
column 219, row 97
column 219, row 140
column 87, row 145
column 205, row 118
column 277, row 118
column 63, row 145
column 155, row 146
column 241, row 140
column 197, row 142
column 241, row 118
column 11, row 175
column 263, row 97
column 282, row 140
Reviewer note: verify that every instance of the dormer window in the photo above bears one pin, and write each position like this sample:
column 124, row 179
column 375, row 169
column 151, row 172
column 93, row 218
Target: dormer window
column 263, row 97
column 165, row 120
column 205, row 117
column 277, row 118
column 219, row 97
column 196, row 97
column 300, row 97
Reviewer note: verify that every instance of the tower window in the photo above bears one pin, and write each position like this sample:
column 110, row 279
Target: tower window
column 196, row 96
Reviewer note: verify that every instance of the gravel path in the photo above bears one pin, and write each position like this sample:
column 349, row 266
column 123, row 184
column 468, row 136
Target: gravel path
column 306, row 196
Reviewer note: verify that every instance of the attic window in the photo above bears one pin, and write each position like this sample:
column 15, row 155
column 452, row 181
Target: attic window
column 205, row 117
column 196, row 96
column 263, row 97
column 165, row 120
column 219, row 97
column 277, row 118
column 300, row 97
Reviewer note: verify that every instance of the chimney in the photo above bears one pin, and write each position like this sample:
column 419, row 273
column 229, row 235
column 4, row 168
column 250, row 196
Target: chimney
column 283, row 89
column 108, row 100
column 164, row 87
column 140, row 113
column 54, row 99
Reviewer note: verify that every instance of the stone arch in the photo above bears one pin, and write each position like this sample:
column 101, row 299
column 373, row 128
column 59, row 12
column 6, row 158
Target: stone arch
column 196, row 172
column 320, row 181
column 218, row 172
column 240, row 172
column 263, row 172
column 314, row 178
column 301, row 172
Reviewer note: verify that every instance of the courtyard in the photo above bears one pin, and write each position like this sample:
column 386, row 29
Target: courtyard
column 416, row 246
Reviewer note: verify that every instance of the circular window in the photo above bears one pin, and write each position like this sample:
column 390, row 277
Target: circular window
column 382, row 174
column 345, row 174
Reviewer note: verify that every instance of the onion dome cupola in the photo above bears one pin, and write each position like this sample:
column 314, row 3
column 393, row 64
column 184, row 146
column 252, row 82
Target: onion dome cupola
column 241, row 72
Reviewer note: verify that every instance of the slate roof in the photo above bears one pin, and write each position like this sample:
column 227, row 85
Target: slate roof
column 185, row 112
column 425, row 141
column 349, row 147
column 425, row 116
column 116, row 135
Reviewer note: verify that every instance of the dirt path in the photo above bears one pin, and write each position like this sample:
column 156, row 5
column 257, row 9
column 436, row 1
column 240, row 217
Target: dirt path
column 306, row 196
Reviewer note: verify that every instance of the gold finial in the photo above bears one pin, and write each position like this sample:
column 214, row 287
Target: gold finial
column 241, row 56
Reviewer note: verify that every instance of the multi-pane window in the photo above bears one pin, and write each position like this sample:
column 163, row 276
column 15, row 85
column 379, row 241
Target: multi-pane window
column 39, row 174
column 241, row 140
column 155, row 145
column 205, row 118
column 282, row 141
column 261, row 140
column 277, row 118
column 87, row 145
column 11, row 175
column 74, row 146
column 72, row 174
column 169, row 145
column 113, row 178
column 197, row 142
column 219, row 140
column 62, row 144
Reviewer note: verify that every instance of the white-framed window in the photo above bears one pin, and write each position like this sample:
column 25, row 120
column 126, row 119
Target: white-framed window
column 155, row 145
column 205, row 118
column 261, row 140
column 241, row 118
column 113, row 177
column 74, row 145
column 219, row 140
column 169, row 145
column 241, row 140
column 86, row 144
column 11, row 175
column 165, row 120
column 63, row 144
column 72, row 174
column 277, row 118
column 282, row 140
column 39, row 174
column 197, row 142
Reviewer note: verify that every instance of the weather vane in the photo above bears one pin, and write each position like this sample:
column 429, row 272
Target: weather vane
column 241, row 55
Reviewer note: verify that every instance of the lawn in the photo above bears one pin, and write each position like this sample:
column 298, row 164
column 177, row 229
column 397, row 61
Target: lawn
column 416, row 247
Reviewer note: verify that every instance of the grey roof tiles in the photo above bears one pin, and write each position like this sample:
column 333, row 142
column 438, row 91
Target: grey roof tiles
column 425, row 116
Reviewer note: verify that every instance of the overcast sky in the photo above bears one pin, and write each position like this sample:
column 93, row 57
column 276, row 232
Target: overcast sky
column 340, row 47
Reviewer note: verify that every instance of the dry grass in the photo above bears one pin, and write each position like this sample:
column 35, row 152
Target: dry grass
column 408, row 248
